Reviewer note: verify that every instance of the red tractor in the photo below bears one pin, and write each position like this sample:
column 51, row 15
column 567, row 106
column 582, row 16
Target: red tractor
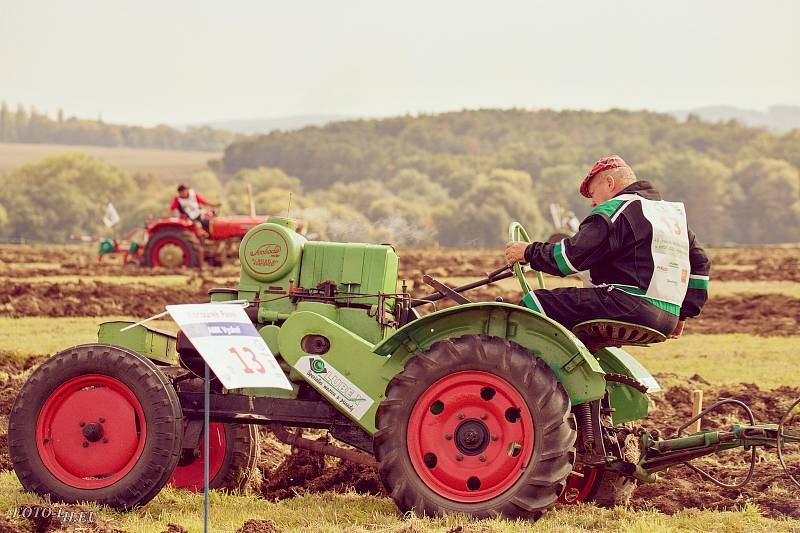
column 174, row 241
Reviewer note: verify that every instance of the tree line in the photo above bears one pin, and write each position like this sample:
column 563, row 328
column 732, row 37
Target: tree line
column 454, row 179
column 739, row 184
column 32, row 126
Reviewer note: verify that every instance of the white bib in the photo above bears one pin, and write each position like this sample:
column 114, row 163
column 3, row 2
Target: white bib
column 189, row 205
column 670, row 249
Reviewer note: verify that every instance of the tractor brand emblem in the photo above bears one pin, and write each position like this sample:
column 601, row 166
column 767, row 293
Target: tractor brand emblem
column 266, row 255
column 272, row 250
column 335, row 385
column 318, row 366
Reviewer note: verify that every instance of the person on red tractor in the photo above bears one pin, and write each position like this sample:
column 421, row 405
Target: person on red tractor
column 635, row 252
column 187, row 203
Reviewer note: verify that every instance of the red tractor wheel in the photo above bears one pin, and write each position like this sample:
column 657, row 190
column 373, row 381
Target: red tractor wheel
column 233, row 455
column 581, row 485
column 475, row 425
column 96, row 423
column 172, row 247
column 603, row 487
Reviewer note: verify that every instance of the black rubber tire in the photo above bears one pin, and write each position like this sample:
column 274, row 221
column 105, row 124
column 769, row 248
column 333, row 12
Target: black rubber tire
column 188, row 239
column 554, row 428
column 613, row 489
column 241, row 459
column 153, row 391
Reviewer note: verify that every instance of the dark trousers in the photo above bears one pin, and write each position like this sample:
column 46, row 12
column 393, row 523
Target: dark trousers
column 571, row 305
column 204, row 222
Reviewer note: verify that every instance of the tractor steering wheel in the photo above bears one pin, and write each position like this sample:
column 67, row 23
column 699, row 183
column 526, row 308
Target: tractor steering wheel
column 517, row 233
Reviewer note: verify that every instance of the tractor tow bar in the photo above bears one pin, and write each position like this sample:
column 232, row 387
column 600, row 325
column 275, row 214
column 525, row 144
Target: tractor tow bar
column 658, row 454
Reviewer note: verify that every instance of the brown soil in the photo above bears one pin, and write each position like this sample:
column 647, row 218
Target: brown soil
column 679, row 487
column 175, row 528
column 258, row 526
column 757, row 314
column 7, row 525
column 92, row 299
column 767, row 314
column 303, row 472
column 765, row 263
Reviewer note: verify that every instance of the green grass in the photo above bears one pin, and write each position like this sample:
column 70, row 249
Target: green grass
column 355, row 513
column 726, row 359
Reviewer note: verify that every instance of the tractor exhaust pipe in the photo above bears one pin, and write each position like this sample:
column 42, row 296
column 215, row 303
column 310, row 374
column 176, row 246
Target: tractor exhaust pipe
column 250, row 200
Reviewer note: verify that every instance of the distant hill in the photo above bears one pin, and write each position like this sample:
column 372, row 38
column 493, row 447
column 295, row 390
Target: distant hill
column 777, row 117
column 34, row 127
column 266, row 125
column 169, row 166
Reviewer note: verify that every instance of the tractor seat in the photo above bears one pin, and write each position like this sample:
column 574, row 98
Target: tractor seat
column 597, row 334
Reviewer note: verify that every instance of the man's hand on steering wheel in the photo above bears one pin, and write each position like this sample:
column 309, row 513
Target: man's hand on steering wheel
column 515, row 252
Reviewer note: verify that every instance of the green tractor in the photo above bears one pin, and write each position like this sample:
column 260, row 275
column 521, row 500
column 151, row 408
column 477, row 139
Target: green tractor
column 483, row 408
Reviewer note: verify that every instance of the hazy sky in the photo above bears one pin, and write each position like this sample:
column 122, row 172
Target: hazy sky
column 149, row 61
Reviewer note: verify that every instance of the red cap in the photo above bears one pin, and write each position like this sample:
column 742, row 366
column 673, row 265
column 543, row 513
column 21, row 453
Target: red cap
column 607, row 163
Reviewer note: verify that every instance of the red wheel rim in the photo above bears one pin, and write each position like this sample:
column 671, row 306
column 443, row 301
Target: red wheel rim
column 190, row 476
column 91, row 431
column 470, row 436
column 579, row 484
column 169, row 241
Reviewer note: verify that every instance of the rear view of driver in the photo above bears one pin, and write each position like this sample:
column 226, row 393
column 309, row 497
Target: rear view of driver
column 639, row 260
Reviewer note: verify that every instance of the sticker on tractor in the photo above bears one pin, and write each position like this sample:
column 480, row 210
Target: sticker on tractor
column 334, row 385
column 230, row 344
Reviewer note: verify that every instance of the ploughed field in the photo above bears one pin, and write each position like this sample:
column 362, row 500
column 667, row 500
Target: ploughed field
column 744, row 347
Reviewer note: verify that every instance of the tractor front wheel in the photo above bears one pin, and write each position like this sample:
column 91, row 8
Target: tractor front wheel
column 475, row 425
column 96, row 423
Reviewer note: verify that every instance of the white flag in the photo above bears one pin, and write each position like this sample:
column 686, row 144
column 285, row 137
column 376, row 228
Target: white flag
column 111, row 217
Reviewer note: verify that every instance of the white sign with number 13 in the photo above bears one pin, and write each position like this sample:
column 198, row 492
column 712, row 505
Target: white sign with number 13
column 230, row 345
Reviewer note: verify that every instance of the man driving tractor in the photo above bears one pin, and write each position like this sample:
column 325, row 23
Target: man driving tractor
column 639, row 260
column 187, row 203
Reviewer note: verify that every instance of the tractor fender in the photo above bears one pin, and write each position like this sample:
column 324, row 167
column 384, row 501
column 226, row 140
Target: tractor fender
column 173, row 222
column 574, row 366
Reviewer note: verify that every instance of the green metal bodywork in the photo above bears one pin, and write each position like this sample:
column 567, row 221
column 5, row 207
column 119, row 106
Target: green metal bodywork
column 629, row 404
column 151, row 342
column 364, row 354
column 370, row 367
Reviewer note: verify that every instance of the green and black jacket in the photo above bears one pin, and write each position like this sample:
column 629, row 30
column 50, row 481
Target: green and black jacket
column 614, row 245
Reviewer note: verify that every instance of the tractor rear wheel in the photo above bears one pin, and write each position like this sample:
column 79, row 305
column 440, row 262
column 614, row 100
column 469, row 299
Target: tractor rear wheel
column 173, row 247
column 96, row 423
column 233, row 454
column 475, row 425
